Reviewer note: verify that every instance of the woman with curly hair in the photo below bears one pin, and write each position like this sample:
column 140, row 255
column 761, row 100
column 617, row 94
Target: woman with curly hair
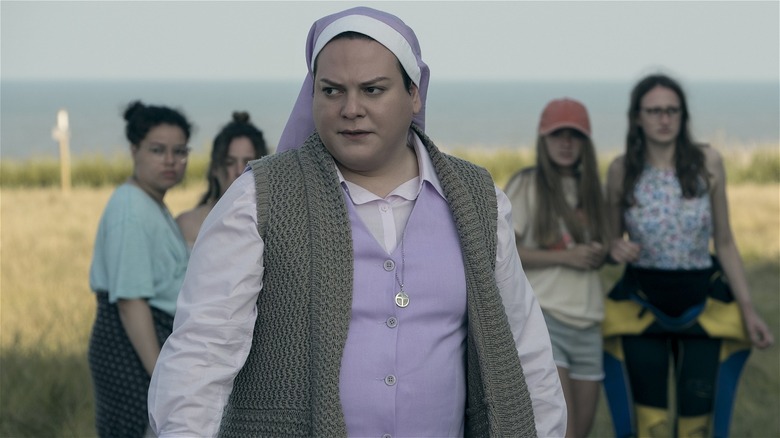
column 137, row 270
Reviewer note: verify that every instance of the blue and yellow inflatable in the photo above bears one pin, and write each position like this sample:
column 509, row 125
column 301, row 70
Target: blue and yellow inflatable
column 629, row 313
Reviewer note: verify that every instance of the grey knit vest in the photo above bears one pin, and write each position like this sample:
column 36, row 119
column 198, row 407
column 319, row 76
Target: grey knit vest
column 289, row 385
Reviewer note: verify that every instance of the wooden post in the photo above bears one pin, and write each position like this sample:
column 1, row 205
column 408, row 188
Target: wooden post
column 61, row 133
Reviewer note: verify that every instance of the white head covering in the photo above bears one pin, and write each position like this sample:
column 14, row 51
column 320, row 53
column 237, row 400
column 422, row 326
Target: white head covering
column 387, row 30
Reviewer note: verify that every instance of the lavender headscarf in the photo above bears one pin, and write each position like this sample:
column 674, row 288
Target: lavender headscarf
column 386, row 29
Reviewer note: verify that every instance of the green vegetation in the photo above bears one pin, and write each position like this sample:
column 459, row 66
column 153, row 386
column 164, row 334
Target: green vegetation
column 759, row 165
column 501, row 163
column 743, row 166
column 93, row 171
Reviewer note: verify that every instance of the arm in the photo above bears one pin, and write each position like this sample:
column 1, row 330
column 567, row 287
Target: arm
column 520, row 191
column 728, row 254
column 529, row 330
column 621, row 250
column 215, row 318
column 136, row 317
column 580, row 256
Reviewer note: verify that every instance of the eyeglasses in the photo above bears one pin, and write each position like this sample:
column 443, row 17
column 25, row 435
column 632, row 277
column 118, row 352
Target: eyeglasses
column 180, row 153
column 657, row 111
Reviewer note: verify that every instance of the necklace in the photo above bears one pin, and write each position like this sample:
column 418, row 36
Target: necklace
column 401, row 299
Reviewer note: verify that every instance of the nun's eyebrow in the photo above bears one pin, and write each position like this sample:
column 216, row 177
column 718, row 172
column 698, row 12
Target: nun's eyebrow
column 367, row 83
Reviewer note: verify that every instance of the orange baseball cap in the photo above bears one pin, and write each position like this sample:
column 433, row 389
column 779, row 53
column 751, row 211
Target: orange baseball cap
column 564, row 113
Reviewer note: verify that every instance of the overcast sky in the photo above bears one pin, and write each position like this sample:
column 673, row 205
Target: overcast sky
column 512, row 40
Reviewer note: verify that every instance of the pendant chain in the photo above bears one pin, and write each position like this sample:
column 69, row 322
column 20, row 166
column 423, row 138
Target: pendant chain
column 401, row 299
column 403, row 263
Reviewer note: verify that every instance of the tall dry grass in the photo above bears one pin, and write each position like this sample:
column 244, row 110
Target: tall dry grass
column 46, row 308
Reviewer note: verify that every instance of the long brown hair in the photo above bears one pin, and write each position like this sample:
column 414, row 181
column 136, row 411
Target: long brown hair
column 688, row 156
column 551, row 201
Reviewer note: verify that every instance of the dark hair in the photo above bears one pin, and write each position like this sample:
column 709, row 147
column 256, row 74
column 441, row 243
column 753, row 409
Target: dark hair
column 688, row 156
column 351, row 35
column 142, row 118
column 240, row 126
column 551, row 201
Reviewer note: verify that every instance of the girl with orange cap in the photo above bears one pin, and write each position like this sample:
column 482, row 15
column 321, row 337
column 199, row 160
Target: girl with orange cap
column 560, row 228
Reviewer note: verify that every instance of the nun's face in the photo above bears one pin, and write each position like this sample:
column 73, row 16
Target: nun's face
column 361, row 108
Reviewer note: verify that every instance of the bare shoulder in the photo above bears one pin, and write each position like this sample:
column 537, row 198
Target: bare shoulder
column 712, row 158
column 190, row 221
column 520, row 180
column 616, row 170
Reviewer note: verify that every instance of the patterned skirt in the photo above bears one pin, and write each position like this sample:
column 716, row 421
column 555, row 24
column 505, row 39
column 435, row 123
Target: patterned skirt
column 119, row 379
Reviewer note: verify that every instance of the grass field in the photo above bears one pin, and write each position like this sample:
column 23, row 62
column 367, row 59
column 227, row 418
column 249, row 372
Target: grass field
column 47, row 309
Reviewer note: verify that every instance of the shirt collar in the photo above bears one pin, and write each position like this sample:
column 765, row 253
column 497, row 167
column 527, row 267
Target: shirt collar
column 408, row 190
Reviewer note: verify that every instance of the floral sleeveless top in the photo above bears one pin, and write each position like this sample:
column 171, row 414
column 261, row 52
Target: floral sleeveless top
column 673, row 232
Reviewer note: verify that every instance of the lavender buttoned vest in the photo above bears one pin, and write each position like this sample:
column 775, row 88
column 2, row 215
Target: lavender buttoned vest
column 289, row 384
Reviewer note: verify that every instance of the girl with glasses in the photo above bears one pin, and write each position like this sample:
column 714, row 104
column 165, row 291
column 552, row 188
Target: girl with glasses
column 667, row 195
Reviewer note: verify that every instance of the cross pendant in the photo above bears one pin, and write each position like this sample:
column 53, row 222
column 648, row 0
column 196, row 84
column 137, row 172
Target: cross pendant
column 401, row 299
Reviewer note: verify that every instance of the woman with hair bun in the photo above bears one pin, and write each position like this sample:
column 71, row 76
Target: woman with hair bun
column 138, row 266
column 238, row 143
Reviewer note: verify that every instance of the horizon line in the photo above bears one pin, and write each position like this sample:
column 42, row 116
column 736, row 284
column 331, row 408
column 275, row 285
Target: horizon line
column 4, row 78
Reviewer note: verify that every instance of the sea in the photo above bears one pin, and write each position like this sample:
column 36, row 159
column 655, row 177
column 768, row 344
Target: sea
column 459, row 115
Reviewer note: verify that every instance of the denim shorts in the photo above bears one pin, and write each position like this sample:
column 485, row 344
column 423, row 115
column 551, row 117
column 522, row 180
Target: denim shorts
column 578, row 350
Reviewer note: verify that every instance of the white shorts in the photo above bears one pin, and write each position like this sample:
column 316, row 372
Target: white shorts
column 578, row 350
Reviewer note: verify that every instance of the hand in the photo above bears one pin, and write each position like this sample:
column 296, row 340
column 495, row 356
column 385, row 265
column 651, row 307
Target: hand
column 624, row 251
column 586, row 256
column 758, row 331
